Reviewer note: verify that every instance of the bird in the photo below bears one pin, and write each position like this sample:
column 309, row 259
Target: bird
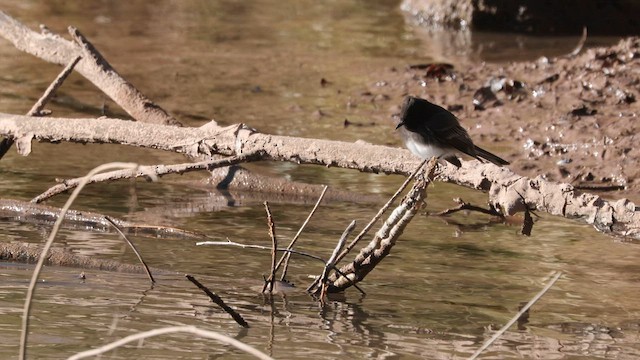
column 430, row 130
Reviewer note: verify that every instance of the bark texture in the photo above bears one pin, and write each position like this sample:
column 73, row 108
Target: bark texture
column 508, row 191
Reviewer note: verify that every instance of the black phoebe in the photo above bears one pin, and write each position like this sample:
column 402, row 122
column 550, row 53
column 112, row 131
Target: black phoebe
column 429, row 130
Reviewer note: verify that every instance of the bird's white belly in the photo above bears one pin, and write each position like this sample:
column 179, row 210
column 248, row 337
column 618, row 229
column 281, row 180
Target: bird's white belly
column 425, row 151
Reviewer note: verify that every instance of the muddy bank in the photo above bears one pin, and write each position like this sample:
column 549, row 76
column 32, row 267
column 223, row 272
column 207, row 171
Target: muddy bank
column 571, row 119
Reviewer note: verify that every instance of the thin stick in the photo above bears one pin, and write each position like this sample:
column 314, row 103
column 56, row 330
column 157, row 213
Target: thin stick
column 168, row 330
column 331, row 263
column 580, row 45
column 251, row 246
column 6, row 143
column 516, row 317
column 274, row 249
column 133, row 247
column 158, row 170
column 368, row 227
column 218, row 301
column 49, row 242
column 287, row 255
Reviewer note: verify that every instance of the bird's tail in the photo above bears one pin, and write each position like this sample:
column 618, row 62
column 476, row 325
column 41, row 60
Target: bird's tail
column 482, row 153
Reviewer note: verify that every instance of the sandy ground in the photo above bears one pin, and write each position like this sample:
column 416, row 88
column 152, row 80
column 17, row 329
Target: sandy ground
column 570, row 119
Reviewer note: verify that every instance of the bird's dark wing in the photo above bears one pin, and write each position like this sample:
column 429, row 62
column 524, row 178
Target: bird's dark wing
column 447, row 130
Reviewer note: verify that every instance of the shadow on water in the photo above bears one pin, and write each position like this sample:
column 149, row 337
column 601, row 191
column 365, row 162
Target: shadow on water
column 443, row 290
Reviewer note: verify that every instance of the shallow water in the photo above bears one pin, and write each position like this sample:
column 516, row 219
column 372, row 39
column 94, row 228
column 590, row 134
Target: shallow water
column 262, row 63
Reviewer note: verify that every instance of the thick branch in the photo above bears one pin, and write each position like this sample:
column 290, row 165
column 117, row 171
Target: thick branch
column 55, row 49
column 384, row 240
column 506, row 189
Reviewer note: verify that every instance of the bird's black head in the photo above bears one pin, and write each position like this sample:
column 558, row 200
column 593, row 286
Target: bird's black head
column 416, row 111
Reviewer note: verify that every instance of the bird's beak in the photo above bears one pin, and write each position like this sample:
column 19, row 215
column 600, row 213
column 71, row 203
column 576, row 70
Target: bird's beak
column 399, row 125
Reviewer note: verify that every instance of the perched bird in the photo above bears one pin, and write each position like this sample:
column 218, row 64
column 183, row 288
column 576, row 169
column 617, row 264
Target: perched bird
column 429, row 130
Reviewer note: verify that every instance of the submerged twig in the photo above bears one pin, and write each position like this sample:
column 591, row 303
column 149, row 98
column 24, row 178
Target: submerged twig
column 218, row 301
column 133, row 247
column 462, row 205
column 285, row 258
column 37, row 213
column 37, row 108
column 274, row 249
column 516, row 317
column 144, row 171
column 47, row 246
column 168, row 330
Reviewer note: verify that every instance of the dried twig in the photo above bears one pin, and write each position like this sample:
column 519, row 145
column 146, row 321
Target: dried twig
column 133, row 247
column 47, row 245
column 218, row 300
column 287, row 255
column 580, row 45
column 37, row 108
column 274, row 248
column 168, row 330
column 251, row 246
column 516, row 317
column 144, row 171
column 331, row 263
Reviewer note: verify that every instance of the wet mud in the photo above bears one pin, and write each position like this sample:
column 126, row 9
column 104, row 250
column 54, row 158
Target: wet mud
column 570, row 119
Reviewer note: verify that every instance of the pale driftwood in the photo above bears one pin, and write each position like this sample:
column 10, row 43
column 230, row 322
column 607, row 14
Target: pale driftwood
column 95, row 68
column 506, row 189
column 385, row 238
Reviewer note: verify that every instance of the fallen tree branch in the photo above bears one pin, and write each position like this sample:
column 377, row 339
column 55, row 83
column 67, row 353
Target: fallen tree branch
column 506, row 189
column 93, row 66
column 37, row 108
